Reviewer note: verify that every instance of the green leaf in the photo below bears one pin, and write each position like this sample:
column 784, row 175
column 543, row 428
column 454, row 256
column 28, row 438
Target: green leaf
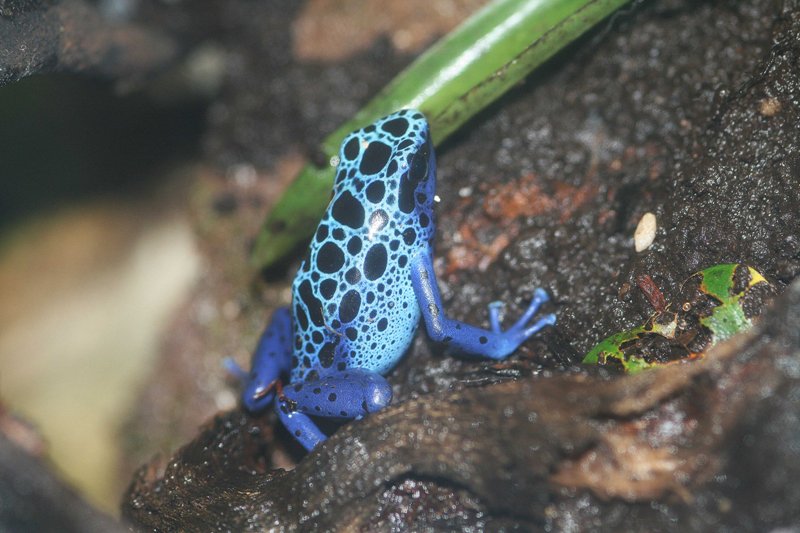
column 455, row 79
column 725, row 319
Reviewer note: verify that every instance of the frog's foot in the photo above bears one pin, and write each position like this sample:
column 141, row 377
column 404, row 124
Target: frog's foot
column 339, row 395
column 471, row 340
column 522, row 330
column 540, row 296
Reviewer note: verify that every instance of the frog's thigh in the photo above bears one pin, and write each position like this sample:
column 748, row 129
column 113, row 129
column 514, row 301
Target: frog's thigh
column 345, row 394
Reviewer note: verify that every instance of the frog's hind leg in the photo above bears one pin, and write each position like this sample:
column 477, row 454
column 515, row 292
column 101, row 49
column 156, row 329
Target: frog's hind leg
column 471, row 340
column 341, row 395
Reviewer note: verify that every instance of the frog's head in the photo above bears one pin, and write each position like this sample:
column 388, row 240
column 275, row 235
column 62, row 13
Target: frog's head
column 389, row 164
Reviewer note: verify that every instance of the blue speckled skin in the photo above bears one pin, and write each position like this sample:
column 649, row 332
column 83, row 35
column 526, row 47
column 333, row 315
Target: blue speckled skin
column 359, row 294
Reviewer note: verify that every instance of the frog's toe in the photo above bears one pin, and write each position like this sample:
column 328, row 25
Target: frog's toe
column 547, row 320
column 237, row 372
column 494, row 315
column 540, row 296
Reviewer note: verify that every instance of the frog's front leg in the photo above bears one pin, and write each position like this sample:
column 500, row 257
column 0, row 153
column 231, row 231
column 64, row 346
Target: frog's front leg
column 471, row 340
column 341, row 395
column 271, row 359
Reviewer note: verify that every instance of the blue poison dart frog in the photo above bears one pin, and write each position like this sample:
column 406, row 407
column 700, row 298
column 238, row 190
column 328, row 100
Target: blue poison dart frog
column 361, row 289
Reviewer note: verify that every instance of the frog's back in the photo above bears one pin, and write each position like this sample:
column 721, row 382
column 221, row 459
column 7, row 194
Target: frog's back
column 353, row 303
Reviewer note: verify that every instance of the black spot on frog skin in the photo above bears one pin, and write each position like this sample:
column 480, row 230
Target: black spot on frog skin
column 375, row 158
column 350, row 306
column 419, row 165
column 396, row 127
column 350, row 151
column 375, row 191
column 348, row 210
column 405, row 201
column 375, row 262
column 313, row 305
column 409, row 236
column 330, row 258
column 354, row 245
column 353, row 276
column 301, row 317
column 327, row 288
column 322, row 232
column 327, row 352
column 332, row 397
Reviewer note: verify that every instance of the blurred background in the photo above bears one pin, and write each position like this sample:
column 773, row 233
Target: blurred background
column 96, row 253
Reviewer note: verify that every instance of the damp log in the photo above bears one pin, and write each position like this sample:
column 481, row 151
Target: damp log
column 515, row 447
